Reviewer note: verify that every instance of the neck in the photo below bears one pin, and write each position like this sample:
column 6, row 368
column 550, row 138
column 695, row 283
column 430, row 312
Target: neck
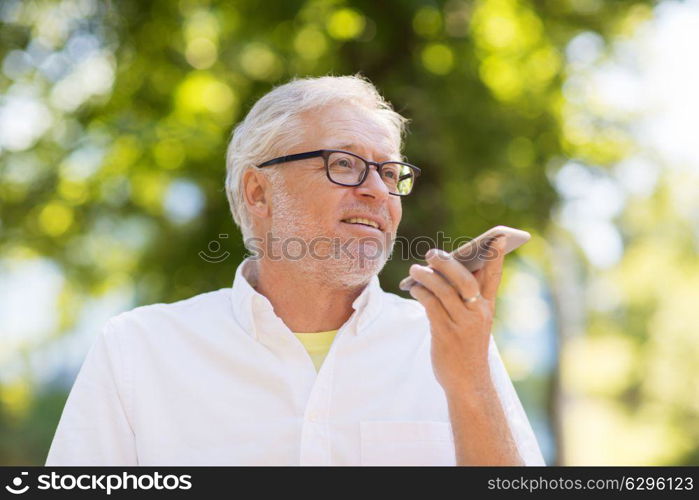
column 305, row 302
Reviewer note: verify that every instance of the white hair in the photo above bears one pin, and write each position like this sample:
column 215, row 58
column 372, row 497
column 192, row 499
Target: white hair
column 271, row 127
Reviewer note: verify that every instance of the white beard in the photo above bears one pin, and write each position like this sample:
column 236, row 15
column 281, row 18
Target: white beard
column 332, row 263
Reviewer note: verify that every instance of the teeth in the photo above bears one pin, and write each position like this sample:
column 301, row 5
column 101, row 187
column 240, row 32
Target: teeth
column 360, row 220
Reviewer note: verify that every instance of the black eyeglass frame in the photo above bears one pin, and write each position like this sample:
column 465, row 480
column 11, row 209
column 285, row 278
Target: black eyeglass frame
column 325, row 154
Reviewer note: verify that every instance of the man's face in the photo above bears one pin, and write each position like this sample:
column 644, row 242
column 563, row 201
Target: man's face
column 308, row 207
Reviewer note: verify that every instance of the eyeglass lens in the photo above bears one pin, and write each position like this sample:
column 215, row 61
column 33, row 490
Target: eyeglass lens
column 348, row 169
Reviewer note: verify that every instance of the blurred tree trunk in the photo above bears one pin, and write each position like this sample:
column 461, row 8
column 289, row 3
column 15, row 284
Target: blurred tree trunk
column 568, row 307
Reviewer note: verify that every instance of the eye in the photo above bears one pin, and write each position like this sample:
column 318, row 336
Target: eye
column 341, row 162
column 390, row 172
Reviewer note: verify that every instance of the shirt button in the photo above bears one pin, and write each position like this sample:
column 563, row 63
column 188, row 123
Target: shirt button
column 313, row 417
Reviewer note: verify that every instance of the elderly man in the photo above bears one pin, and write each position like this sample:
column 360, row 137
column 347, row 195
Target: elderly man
column 306, row 360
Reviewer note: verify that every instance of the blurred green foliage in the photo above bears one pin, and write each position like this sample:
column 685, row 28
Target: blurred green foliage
column 480, row 81
column 125, row 185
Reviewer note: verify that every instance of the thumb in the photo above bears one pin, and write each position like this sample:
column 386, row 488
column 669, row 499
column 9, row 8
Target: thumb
column 491, row 272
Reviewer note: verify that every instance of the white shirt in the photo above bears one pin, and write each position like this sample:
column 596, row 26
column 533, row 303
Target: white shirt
column 219, row 379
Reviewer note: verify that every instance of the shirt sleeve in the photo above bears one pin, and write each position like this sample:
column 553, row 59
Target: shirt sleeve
column 95, row 428
column 522, row 432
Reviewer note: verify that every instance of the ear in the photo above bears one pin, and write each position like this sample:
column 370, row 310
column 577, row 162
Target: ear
column 256, row 189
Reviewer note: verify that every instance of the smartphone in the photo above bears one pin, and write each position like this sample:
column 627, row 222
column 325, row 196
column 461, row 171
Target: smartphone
column 473, row 254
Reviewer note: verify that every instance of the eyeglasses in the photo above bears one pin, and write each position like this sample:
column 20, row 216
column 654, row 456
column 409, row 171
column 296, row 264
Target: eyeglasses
column 348, row 169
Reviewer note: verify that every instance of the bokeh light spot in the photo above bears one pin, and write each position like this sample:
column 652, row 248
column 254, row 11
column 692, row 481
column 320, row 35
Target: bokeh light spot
column 202, row 92
column 201, row 53
column 438, row 58
column 260, row 63
column 345, row 24
column 310, row 43
column 427, row 21
column 55, row 218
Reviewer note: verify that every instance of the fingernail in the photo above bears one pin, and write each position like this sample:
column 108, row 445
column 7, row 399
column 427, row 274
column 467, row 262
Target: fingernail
column 431, row 253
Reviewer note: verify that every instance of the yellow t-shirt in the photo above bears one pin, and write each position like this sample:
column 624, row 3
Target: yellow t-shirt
column 317, row 344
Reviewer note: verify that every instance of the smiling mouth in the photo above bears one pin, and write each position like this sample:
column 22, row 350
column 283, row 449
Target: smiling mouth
column 362, row 222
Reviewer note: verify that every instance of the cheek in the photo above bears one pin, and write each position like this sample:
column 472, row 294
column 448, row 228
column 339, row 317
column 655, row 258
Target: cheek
column 396, row 210
column 326, row 202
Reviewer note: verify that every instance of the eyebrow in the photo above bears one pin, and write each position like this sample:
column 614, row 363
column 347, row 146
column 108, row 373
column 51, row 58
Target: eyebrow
column 353, row 146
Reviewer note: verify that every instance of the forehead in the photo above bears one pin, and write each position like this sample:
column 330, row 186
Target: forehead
column 334, row 126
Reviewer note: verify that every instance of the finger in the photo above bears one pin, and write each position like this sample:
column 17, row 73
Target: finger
column 491, row 273
column 455, row 272
column 440, row 287
column 433, row 306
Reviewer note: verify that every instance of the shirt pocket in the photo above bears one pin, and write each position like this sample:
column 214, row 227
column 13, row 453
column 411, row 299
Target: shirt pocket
column 406, row 443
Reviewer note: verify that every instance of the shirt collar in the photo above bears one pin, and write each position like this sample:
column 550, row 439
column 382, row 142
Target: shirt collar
column 255, row 314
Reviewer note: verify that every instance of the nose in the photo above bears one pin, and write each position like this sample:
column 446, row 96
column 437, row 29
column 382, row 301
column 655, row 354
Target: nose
column 373, row 185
